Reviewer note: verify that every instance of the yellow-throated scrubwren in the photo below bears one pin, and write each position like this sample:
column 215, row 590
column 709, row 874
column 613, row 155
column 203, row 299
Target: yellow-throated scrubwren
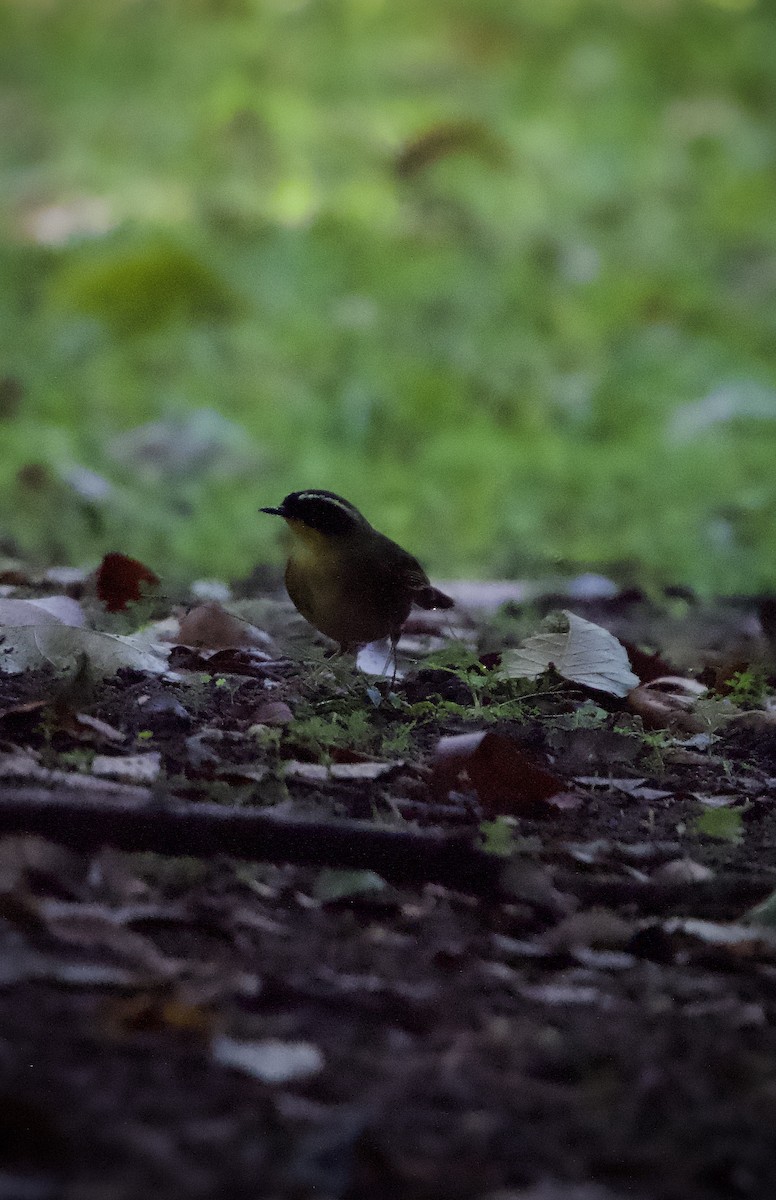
column 348, row 580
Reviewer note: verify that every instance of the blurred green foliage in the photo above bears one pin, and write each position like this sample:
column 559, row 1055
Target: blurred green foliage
column 502, row 273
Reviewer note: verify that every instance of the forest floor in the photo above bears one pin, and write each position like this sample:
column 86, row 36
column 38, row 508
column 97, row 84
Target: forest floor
column 477, row 936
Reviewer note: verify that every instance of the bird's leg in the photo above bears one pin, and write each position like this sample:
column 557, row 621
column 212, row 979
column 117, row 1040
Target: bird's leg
column 393, row 654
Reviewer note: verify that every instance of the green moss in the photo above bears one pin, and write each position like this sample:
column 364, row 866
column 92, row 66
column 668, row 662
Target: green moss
column 510, row 355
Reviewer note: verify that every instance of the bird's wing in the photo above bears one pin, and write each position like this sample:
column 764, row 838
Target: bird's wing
column 416, row 582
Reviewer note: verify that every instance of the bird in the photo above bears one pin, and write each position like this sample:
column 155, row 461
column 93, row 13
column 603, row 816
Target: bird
column 349, row 581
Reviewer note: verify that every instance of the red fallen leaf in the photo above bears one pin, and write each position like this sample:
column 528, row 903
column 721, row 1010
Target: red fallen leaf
column 506, row 779
column 119, row 579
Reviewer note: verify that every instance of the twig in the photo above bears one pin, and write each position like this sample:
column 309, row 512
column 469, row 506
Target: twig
column 716, row 899
column 206, row 830
column 400, row 855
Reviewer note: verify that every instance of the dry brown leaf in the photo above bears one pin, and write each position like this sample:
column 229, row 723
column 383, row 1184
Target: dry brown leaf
column 506, row 778
column 667, row 703
column 149, row 1012
column 86, row 727
column 211, row 627
column 20, row 710
column 273, row 712
column 599, row 927
column 755, row 721
column 249, row 661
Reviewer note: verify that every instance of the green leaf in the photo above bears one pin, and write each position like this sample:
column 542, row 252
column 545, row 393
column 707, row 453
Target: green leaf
column 333, row 884
column 763, row 913
column 725, row 824
column 498, row 837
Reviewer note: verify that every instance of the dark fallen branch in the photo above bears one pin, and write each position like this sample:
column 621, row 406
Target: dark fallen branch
column 206, row 830
column 413, row 856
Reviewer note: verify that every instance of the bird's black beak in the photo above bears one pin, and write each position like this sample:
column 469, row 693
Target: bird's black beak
column 273, row 512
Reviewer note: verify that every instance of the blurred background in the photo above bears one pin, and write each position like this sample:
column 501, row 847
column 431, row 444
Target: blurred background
column 502, row 273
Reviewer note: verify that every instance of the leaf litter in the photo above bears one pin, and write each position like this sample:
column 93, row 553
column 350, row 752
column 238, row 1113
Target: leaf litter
column 467, row 1030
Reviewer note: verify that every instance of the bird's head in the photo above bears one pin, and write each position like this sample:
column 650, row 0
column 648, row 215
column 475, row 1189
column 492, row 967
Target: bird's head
column 323, row 512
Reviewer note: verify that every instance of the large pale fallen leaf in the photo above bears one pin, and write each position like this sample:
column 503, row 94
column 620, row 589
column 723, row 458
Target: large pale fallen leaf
column 33, row 647
column 45, row 610
column 579, row 650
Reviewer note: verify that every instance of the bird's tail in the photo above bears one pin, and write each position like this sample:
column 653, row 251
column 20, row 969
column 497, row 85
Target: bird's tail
column 431, row 597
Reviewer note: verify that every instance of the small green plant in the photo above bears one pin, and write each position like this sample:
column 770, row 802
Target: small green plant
column 748, row 688
column 80, row 759
column 396, row 742
column 268, row 738
column 319, row 734
column 658, row 741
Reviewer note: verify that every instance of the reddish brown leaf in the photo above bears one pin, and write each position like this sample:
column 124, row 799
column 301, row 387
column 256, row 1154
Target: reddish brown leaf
column 647, row 666
column 120, row 580
column 506, row 778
